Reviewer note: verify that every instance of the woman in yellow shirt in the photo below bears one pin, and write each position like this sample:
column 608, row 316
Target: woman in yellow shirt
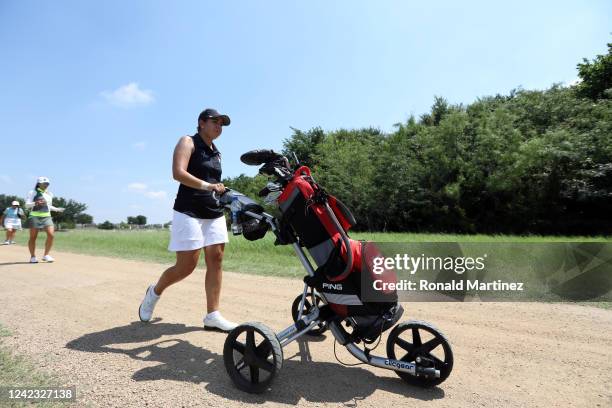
column 39, row 201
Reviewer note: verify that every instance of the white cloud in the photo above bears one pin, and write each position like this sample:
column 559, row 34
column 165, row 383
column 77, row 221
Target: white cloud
column 156, row 194
column 142, row 188
column 138, row 187
column 128, row 96
column 139, row 145
column 6, row 179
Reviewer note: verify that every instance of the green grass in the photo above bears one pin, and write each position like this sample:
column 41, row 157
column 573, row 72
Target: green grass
column 412, row 237
column 17, row 371
column 262, row 257
column 255, row 257
column 601, row 305
column 4, row 332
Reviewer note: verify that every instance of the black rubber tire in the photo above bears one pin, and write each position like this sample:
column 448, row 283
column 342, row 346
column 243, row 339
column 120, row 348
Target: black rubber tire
column 265, row 357
column 395, row 342
column 295, row 306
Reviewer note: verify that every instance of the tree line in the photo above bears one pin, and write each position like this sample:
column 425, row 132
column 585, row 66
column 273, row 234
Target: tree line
column 532, row 161
column 138, row 220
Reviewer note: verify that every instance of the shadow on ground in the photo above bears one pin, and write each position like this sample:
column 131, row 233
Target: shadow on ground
column 15, row 263
column 300, row 377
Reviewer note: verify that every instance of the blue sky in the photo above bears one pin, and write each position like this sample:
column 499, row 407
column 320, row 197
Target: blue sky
column 95, row 95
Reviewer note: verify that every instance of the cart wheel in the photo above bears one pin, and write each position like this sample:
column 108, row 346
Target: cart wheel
column 320, row 328
column 421, row 343
column 253, row 356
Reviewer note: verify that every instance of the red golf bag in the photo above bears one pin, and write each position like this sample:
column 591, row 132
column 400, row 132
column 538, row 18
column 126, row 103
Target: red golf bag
column 320, row 220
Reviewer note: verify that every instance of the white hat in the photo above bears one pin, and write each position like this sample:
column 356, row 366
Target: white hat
column 15, row 203
column 42, row 179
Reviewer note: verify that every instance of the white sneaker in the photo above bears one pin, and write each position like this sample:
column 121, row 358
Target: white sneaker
column 214, row 321
column 13, row 242
column 33, row 260
column 145, row 311
column 48, row 258
column 7, row 242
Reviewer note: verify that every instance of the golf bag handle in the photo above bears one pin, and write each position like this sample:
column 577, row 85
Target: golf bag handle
column 345, row 239
column 303, row 170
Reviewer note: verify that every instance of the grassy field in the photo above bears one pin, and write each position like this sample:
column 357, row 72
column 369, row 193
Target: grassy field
column 255, row 257
column 16, row 371
column 262, row 257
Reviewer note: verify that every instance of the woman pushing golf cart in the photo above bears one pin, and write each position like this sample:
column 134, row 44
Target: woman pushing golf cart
column 198, row 221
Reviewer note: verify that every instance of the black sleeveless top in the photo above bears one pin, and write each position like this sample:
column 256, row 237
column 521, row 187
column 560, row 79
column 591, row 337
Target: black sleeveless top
column 205, row 164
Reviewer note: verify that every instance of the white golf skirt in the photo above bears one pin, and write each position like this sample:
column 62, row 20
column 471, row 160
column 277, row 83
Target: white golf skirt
column 12, row 224
column 190, row 233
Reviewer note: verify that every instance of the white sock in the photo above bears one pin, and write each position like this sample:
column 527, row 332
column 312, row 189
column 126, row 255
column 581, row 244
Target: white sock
column 213, row 315
column 153, row 294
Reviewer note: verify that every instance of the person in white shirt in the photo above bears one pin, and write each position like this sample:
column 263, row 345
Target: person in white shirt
column 40, row 202
column 11, row 219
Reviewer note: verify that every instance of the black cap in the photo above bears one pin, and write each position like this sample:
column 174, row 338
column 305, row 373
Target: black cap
column 211, row 114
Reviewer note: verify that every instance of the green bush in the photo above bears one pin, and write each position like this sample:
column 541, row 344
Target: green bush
column 106, row 225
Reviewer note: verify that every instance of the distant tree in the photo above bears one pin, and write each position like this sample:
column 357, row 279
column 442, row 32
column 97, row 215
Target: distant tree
column 68, row 218
column 83, row 218
column 132, row 220
column 439, row 109
column 248, row 186
column 141, row 220
column 304, row 145
column 596, row 76
column 346, row 167
column 106, row 225
column 72, row 207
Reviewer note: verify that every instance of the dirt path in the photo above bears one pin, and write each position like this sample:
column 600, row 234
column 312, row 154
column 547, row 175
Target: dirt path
column 78, row 318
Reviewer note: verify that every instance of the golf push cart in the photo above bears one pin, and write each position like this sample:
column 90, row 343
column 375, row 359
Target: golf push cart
column 332, row 297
